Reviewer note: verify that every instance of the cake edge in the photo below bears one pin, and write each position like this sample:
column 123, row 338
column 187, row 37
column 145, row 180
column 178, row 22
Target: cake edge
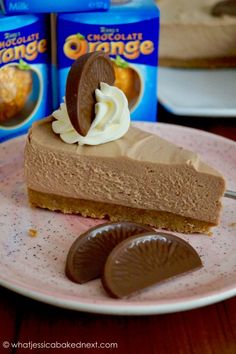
column 113, row 212
column 209, row 63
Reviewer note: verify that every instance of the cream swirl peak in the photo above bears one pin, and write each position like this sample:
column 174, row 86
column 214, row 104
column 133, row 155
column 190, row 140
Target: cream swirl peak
column 111, row 122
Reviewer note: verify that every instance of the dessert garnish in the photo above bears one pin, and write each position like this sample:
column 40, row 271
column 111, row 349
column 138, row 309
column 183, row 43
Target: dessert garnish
column 226, row 7
column 88, row 253
column 94, row 112
column 141, row 261
column 84, row 78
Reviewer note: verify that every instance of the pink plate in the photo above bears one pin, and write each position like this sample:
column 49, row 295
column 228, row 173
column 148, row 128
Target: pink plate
column 34, row 267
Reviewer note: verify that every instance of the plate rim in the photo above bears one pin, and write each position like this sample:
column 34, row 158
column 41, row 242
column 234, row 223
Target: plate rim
column 130, row 308
column 180, row 110
column 197, row 112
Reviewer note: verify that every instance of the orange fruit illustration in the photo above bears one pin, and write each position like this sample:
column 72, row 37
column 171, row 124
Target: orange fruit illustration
column 127, row 80
column 75, row 46
column 15, row 87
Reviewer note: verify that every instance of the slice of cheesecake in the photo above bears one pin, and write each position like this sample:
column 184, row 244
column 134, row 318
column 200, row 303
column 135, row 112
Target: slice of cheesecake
column 139, row 177
column 194, row 35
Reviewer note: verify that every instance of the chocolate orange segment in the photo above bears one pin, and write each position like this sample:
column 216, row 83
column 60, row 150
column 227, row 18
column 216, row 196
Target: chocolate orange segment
column 225, row 7
column 88, row 254
column 141, row 261
column 84, row 77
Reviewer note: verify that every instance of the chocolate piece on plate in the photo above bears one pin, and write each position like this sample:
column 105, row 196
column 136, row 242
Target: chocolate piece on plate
column 88, row 253
column 84, row 78
column 226, row 7
column 141, row 261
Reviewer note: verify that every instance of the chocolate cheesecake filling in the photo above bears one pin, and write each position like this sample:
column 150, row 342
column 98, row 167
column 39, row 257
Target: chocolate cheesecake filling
column 192, row 36
column 140, row 172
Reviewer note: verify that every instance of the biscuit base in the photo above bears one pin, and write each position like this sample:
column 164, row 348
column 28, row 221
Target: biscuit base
column 114, row 212
column 205, row 63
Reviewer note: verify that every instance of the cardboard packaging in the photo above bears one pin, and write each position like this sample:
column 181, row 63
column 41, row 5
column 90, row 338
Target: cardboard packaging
column 25, row 71
column 34, row 6
column 129, row 33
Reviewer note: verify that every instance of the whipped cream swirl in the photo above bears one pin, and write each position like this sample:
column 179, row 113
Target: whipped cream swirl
column 111, row 122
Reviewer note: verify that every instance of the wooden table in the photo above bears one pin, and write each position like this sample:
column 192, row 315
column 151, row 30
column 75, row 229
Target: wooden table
column 208, row 330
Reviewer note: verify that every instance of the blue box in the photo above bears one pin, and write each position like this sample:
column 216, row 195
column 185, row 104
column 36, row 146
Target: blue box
column 25, row 72
column 39, row 6
column 129, row 33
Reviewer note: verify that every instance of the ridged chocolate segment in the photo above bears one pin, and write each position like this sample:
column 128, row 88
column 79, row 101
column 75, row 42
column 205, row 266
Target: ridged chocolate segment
column 89, row 252
column 141, row 261
column 84, row 77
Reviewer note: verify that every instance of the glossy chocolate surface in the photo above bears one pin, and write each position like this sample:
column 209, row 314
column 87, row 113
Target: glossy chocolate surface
column 84, row 78
column 141, row 261
column 89, row 252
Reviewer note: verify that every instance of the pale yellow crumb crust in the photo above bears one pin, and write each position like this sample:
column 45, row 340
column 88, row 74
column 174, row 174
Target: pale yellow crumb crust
column 94, row 209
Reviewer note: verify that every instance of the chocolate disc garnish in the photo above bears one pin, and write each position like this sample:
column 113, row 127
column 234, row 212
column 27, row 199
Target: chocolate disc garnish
column 84, row 77
column 226, row 7
column 88, row 254
column 141, row 261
